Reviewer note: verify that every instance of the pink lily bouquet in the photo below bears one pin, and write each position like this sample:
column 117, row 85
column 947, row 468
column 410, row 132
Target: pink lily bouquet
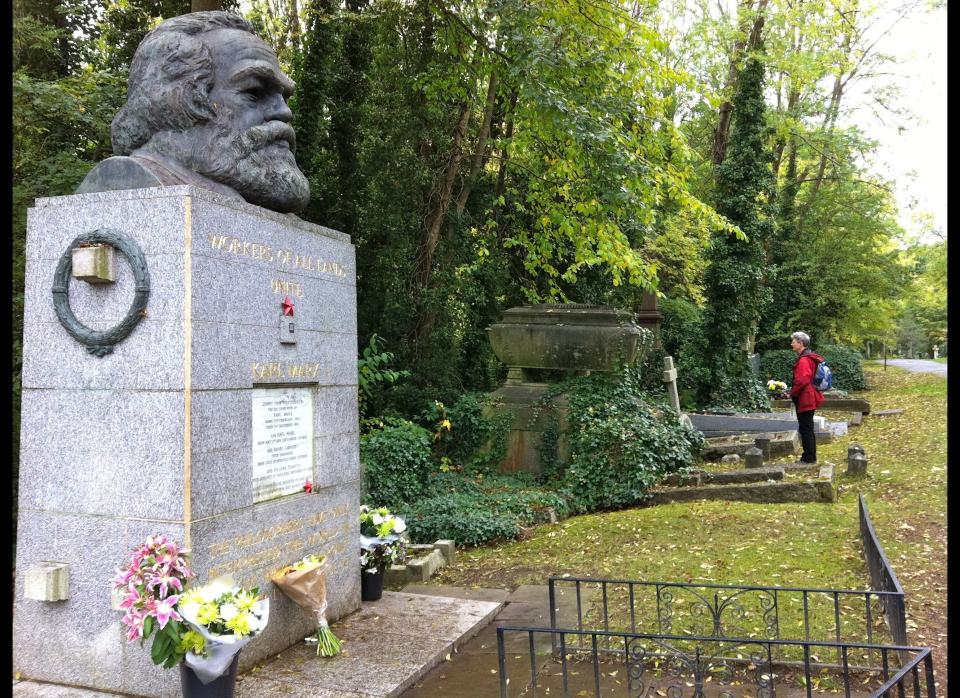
column 153, row 580
column 203, row 627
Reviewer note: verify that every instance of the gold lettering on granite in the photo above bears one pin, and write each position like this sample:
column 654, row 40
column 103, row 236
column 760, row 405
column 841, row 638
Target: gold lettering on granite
column 291, row 288
column 266, row 371
column 308, row 371
column 285, row 258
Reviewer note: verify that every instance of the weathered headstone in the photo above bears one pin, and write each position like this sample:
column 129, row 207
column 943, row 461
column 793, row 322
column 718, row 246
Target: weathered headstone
column 183, row 413
column 670, row 380
column 754, row 360
column 763, row 443
column 856, row 464
column 754, row 458
column 543, row 343
column 856, row 460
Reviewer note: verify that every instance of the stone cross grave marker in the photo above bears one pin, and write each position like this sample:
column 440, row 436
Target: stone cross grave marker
column 670, row 379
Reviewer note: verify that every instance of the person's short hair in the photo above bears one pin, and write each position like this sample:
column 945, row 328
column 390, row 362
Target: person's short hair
column 801, row 337
column 171, row 76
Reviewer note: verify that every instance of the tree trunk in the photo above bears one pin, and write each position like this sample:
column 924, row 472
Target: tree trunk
column 479, row 154
column 504, row 153
column 721, row 134
column 204, row 5
column 440, row 197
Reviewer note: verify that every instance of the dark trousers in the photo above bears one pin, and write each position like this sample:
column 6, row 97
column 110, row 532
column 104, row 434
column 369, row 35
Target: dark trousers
column 807, row 437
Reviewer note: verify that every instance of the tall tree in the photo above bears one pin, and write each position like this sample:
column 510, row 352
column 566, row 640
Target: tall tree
column 735, row 288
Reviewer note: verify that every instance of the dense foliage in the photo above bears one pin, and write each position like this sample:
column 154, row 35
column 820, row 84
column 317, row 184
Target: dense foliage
column 396, row 463
column 846, row 364
column 737, row 266
column 620, row 442
column 475, row 510
column 483, row 153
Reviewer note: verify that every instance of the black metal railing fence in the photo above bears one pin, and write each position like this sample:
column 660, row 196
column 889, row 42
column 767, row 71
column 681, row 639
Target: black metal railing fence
column 645, row 665
column 882, row 577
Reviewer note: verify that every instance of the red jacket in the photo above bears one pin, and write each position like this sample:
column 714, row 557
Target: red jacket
column 804, row 395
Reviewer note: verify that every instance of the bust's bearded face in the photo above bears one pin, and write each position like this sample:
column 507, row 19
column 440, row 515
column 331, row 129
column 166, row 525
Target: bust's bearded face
column 249, row 144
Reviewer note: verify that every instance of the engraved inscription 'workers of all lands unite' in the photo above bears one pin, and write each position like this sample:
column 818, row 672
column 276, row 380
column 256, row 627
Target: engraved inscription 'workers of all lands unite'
column 287, row 259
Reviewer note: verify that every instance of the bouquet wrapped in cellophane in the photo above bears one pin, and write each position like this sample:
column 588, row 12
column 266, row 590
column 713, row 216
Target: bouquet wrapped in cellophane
column 223, row 618
column 305, row 583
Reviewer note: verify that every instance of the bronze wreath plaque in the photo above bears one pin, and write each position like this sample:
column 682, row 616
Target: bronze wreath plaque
column 101, row 342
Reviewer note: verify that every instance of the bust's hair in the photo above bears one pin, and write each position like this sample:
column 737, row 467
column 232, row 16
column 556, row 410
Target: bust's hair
column 801, row 337
column 171, row 76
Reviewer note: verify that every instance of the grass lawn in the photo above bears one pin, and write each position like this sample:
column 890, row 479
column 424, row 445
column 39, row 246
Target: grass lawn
column 803, row 545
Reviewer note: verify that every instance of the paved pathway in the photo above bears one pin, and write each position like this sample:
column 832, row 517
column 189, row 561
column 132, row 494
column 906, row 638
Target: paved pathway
column 388, row 645
column 918, row 366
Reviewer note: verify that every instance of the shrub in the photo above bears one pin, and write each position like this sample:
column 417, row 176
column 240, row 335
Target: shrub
column 476, row 510
column 620, row 441
column 846, row 364
column 396, row 462
column 465, row 437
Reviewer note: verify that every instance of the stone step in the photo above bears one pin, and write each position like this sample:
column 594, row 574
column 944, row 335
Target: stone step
column 835, row 404
column 782, row 443
column 728, row 477
column 820, row 489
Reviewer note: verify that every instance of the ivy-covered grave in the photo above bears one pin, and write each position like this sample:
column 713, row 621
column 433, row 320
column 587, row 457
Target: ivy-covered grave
column 440, row 472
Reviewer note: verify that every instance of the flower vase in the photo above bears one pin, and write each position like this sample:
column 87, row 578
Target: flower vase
column 371, row 584
column 221, row 687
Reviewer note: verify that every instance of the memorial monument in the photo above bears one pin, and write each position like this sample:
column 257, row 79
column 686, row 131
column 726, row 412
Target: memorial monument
column 541, row 344
column 189, row 364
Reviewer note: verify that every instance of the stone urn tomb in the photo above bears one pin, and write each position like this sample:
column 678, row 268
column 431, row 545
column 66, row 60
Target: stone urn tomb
column 543, row 344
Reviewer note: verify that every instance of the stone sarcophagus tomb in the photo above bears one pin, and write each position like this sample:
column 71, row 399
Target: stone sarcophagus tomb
column 189, row 364
column 541, row 344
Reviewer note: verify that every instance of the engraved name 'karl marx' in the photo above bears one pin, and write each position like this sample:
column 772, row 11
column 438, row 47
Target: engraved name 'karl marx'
column 207, row 106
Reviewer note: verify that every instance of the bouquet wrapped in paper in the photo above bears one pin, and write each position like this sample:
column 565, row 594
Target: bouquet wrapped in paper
column 222, row 618
column 305, row 583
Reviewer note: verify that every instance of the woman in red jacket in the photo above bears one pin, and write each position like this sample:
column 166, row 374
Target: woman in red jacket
column 805, row 397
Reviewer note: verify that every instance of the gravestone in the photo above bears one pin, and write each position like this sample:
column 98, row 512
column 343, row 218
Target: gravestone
column 763, row 443
column 199, row 408
column 670, row 380
column 754, row 458
column 857, row 464
column 856, row 460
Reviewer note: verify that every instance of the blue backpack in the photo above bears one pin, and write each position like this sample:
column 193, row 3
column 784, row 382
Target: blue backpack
column 823, row 378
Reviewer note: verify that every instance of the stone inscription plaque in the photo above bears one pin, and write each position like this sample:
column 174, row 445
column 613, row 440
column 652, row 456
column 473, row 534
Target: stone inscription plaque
column 282, row 441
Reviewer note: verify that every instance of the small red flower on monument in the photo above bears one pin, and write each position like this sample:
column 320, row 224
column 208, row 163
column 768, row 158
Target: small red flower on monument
column 287, row 306
column 308, row 487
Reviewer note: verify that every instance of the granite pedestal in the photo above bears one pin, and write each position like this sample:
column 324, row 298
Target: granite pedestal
column 156, row 437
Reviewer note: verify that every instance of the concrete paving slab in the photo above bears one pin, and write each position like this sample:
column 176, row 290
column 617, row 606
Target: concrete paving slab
column 387, row 646
column 474, row 594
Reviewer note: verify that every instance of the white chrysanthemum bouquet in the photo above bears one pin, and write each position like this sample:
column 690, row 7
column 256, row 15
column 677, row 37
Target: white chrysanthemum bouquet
column 223, row 618
column 381, row 543
column 777, row 388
